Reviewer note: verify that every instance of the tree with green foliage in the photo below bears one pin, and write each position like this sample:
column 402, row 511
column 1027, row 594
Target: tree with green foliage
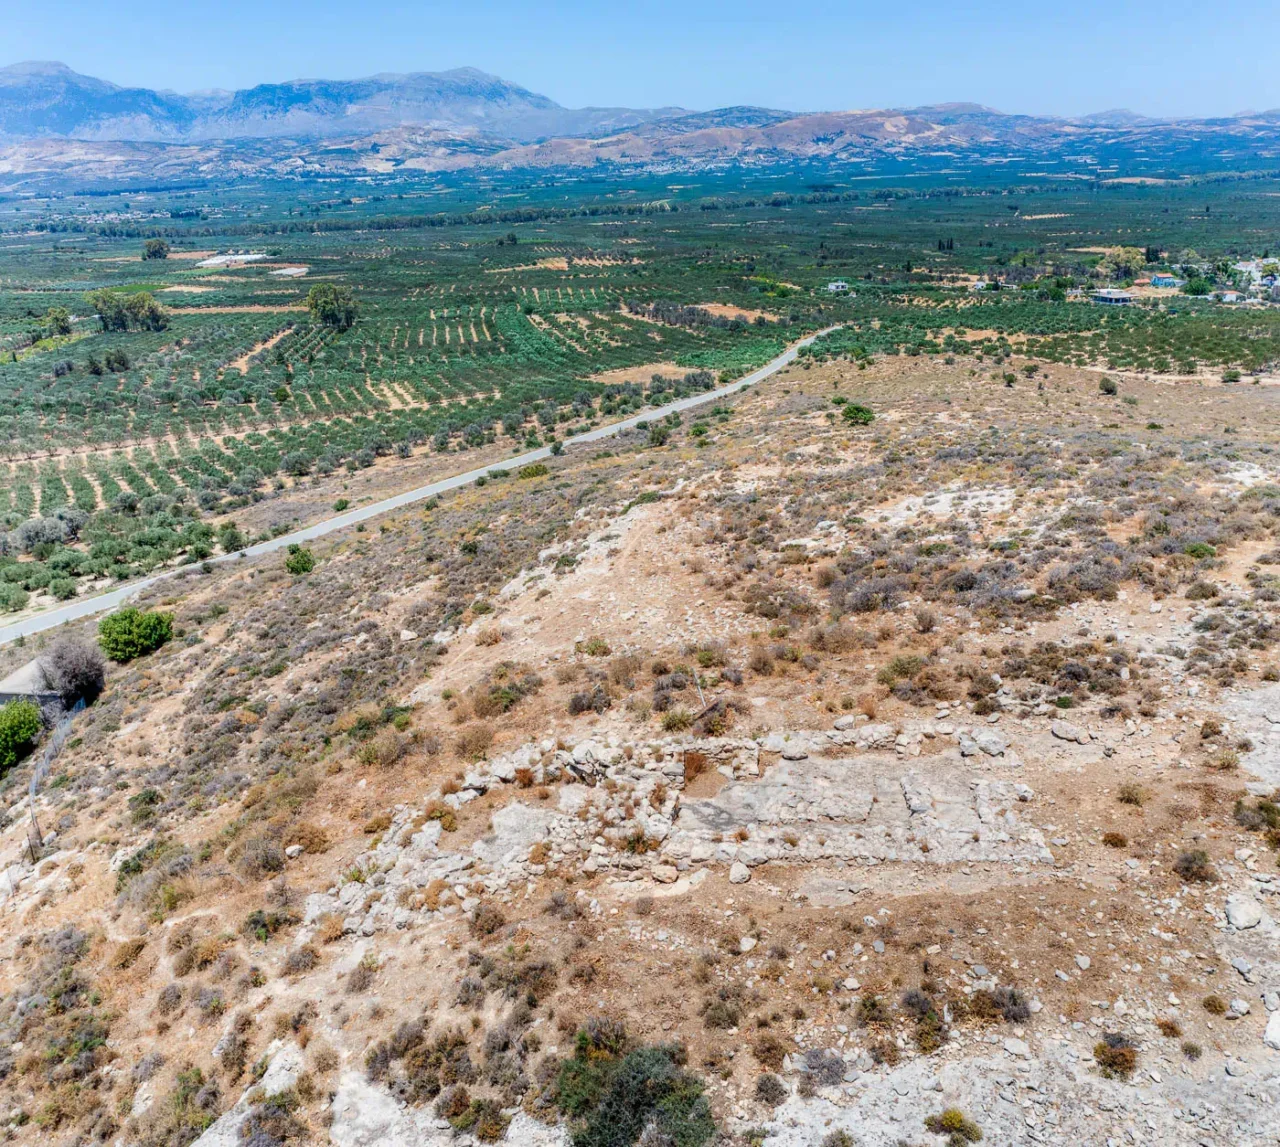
column 1123, row 263
column 57, row 321
column 20, row 724
column 858, row 415
column 155, row 249
column 332, row 306
column 230, row 538
column 299, row 561
column 132, row 633
column 122, row 311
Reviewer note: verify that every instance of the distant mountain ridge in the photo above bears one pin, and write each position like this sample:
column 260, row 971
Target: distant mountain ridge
column 57, row 125
column 40, row 100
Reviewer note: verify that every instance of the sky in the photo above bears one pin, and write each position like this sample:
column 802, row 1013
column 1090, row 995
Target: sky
column 1166, row 58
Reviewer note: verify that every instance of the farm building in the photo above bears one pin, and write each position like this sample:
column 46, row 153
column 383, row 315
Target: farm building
column 1160, row 279
column 1112, row 297
column 837, row 286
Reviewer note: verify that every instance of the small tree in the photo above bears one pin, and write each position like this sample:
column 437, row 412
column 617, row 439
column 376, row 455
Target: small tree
column 1108, row 386
column 19, row 726
column 133, row 633
column 75, row 669
column 57, row 321
column 857, row 415
column 299, row 561
column 332, row 305
column 155, row 249
column 230, row 538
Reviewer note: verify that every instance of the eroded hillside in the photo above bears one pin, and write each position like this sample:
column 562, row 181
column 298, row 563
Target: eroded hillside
column 793, row 780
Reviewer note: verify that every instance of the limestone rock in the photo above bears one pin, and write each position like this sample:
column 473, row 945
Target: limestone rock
column 990, row 742
column 1066, row 731
column 1271, row 1037
column 1243, row 911
column 739, row 873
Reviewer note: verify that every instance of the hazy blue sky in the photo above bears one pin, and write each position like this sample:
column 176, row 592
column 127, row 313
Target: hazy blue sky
column 1168, row 57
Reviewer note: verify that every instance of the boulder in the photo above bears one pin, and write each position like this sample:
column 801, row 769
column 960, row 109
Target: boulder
column 1066, row 731
column 990, row 742
column 1243, row 911
column 1271, row 1037
column 739, row 873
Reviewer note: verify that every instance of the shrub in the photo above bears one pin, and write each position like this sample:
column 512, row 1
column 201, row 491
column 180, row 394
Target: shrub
column 1214, row 1005
column 19, row 726
column 1116, row 1056
column 301, row 960
column 722, row 1010
column 474, row 741
column 486, row 920
column 676, row 720
column 132, row 633
column 1108, row 386
column 857, row 415
column 612, row 1095
column 769, row 1050
column 533, row 470
column 383, row 749
column 956, row 1126
column 1195, row 868
column 74, row 668
column 1114, row 839
column 1129, row 793
column 770, row 1090
column 299, row 561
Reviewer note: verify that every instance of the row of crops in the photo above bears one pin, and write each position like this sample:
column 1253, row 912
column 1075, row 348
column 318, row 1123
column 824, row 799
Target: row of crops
column 1158, row 339
column 75, row 521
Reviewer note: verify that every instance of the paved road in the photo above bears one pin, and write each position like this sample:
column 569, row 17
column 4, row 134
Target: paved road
column 87, row 607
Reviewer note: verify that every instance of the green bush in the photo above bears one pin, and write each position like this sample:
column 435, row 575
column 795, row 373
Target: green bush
column 63, row 588
column 134, row 633
column 1108, row 386
column 13, row 597
column 611, row 1098
column 19, row 726
column 533, row 470
column 856, row 414
column 299, row 561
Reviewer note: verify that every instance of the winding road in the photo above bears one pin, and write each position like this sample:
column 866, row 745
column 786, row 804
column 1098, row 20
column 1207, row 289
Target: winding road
column 87, row 607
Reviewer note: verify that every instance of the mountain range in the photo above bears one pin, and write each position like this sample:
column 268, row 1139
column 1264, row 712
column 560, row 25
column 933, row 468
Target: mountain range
column 58, row 125
column 41, row 100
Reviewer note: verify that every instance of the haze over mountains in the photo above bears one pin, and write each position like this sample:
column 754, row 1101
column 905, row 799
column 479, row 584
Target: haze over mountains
column 58, row 124
column 41, row 99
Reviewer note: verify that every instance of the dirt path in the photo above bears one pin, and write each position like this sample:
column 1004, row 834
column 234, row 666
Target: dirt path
column 242, row 363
